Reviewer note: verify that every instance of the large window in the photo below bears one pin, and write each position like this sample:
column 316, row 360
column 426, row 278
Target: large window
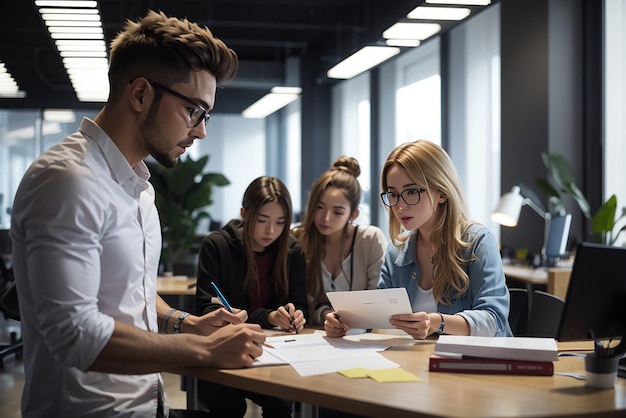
column 23, row 136
column 615, row 103
column 350, row 132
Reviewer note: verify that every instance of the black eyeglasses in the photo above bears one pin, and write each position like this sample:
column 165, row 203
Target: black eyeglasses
column 410, row 196
column 197, row 114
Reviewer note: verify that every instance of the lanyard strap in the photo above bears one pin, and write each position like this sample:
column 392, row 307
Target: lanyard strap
column 352, row 255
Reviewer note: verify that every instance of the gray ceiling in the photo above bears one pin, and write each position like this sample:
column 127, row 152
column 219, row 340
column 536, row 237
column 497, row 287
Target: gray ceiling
column 264, row 33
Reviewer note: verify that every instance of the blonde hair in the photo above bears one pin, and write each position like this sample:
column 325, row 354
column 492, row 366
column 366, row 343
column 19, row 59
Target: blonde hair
column 429, row 166
column 343, row 176
column 261, row 191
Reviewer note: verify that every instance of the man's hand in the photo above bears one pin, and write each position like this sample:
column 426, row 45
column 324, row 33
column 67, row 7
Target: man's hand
column 209, row 323
column 235, row 346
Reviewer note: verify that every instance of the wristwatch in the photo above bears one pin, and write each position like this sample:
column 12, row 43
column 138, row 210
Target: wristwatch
column 443, row 324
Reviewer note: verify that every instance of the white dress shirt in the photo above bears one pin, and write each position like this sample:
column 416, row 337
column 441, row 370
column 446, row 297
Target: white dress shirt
column 86, row 246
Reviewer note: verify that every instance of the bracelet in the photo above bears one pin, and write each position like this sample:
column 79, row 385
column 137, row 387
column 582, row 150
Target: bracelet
column 181, row 317
column 443, row 324
column 166, row 320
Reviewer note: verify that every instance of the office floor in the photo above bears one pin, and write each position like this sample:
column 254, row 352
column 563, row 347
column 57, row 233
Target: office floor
column 12, row 381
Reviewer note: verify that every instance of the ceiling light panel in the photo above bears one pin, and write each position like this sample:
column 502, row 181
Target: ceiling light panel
column 76, row 28
column 439, row 13
column 404, row 30
column 8, row 85
column 406, row 43
column 362, row 60
column 278, row 98
column 461, row 2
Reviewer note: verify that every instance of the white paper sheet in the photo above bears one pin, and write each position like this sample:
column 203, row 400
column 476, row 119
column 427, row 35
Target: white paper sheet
column 370, row 309
column 313, row 354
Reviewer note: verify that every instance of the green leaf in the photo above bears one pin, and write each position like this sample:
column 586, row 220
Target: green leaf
column 559, row 169
column 604, row 220
column 580, row 199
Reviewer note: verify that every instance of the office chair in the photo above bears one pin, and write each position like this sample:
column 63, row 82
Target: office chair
column 8, row 299
column 545, row 314
column 518, row 311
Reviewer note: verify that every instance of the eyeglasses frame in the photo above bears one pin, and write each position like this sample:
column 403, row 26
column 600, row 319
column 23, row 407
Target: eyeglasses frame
column 203, row 116
column 401, row 195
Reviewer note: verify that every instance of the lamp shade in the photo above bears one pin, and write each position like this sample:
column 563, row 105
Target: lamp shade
column 508, row 209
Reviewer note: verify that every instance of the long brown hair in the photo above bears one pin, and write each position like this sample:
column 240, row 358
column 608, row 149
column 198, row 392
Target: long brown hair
column 343, row 176
column 261, row 191
column 428, row 165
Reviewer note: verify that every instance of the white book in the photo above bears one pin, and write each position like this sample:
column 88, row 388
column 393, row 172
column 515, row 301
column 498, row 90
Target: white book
column 510, row 348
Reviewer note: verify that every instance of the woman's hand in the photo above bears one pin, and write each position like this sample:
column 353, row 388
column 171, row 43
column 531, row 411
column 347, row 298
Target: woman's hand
column 417, row 324
column 287, row 318
column 333, row 326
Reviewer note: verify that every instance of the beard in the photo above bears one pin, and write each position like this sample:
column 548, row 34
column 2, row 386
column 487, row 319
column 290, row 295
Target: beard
column 153, row 140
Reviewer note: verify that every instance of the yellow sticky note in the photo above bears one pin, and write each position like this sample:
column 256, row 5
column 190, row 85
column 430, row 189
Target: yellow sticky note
column 395, row 374
column 358, row 372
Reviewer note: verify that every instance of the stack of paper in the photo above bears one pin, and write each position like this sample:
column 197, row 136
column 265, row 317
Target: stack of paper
column 313, row 354
column 507, row 355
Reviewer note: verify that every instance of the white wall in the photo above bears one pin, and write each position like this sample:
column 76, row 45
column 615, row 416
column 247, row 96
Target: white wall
column 236, row 148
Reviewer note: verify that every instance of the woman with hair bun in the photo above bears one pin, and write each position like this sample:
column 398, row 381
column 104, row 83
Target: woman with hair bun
column 340, row 255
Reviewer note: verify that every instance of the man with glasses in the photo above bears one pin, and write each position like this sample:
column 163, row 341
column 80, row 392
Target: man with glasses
column 86, row 238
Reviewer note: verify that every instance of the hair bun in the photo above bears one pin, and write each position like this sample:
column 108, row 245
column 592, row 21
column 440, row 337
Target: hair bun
column 349, row 164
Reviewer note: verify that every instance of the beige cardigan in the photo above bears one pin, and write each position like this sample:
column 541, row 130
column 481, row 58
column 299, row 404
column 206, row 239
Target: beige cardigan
column 368, row 253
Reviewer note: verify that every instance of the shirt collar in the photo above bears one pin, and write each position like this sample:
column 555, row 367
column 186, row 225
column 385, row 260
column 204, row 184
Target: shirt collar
column 407, row 254
column 120, row 168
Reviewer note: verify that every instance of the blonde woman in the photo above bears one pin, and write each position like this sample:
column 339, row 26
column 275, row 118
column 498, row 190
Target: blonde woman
column 450, row 266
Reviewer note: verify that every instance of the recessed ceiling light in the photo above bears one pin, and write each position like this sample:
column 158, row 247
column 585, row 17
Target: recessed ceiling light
column 407, row 43
column 278, row 98
column 362, row 60
column 404, row 30
column 76, row 28
column 439, row 13
column 461, row 2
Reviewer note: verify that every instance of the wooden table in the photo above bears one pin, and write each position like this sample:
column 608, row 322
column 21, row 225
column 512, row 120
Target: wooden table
column 176, row 285
column 178, row 291
column 556, row 279
column 438, row 394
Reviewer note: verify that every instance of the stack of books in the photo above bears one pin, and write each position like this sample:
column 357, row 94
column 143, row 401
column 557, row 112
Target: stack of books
column 495, row 355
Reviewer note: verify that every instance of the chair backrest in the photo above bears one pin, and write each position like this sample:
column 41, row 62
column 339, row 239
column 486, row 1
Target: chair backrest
column 8, row 291
column 545, row 314
column 518, row 311
column 9, row 304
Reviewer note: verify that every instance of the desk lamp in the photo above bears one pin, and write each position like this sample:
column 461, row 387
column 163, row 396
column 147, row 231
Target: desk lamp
column 508, row 210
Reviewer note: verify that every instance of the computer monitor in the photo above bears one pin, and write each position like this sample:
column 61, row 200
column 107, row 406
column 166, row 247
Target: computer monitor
column 595, row 304
column 558, row 234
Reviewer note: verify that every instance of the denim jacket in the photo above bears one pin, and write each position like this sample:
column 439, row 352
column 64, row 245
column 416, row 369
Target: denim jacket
column 485, row 305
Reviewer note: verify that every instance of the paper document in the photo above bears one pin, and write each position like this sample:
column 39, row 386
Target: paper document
column 370, row 309
column 313, row 354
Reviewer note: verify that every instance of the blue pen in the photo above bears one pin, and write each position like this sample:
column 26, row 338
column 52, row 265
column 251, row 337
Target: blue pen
column 221, row 296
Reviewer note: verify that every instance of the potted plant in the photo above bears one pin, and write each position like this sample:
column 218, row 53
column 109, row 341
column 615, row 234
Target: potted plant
column 563, row 181
column 182, row 194
column 603, row 222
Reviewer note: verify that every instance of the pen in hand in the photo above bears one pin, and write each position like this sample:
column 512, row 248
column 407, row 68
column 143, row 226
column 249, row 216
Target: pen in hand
column 291, row 319
column 222, row 297
column 230, row 309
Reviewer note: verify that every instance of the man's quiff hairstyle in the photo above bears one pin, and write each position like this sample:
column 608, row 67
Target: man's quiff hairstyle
column 168, row 47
